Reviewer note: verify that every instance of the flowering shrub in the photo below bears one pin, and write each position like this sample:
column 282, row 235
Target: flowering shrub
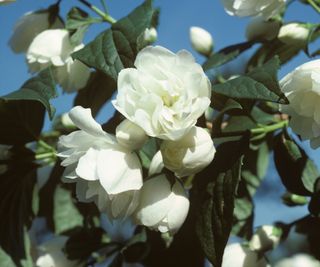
column 171, row 178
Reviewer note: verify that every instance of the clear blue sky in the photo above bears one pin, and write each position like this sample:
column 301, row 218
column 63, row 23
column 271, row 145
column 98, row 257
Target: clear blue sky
column 175, row 20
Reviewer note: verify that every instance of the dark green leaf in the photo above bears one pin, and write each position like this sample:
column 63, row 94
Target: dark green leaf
column 297, row 171
column 268, row 50
column 117, row 47
column 259, row 84
column 83, row 242
column 217, row 186
column 77, row 23
column 96, row 93
column 40, row 88
column 16, row 190
column 225, row 55
column 21, row 121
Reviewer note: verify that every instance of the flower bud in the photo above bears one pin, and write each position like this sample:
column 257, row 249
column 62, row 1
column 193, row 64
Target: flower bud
column 29, row 26
column 130, row 135
column 156, row 164
column 265, row 238
column 299, row 260
column 150, row 35
column 294, row 34
column 241, row 256
column 190, row 154
column 162, row 206
column 201, row 40
column 260, row 29
column 292, row 200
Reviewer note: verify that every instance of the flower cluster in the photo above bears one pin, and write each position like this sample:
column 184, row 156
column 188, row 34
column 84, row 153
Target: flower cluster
column 161, row 98
column 46, row 43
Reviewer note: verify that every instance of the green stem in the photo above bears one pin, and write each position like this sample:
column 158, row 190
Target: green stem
column 314, row 5
column 46, row 146
column 47, row 155
column 103, row 3
column 258, row 132
column 106, row 17
column 270, row 128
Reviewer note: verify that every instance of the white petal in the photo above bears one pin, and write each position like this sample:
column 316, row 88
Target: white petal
column 87, row 166
column 119, row 171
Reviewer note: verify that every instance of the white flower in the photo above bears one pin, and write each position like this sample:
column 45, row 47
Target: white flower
column 73, row 75
column 116, row 206
column 243, row 8
column 299, row 260
column 237, row 255
column 165, row 94
column 29, row 26
column 95, row 156
column 259, row 28
column 52, row 255
column 156, row 164
column 201, row 40
column 294, row 34
column 265, row 238
column 53, row 47
column 150, row 35
column 130, row 135
column 162, row 206
column 190, row 154
column 302, row 88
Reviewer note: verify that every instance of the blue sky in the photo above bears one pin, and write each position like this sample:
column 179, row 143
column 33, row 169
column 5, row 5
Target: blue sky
column 175, row 20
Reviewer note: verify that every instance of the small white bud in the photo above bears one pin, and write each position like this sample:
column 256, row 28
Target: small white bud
column 162, row 206
column 190, row 154
column 130, row 135
column 294, row 34
column 150, row 35
column 238, row 255
column 156, row 164
column 201, row 40
column 259, row 28
column 265, row 238
column 66, row 121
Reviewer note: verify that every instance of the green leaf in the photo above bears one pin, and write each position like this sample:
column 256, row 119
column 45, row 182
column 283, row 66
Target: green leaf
column 216, row 189
column 259, row 84
column 147, row 152
column 268, row 50
column 16, row 214
column 83, row 242
column 21, row 121
column 225, row 55
column 5, row 259
column 66, row 216
column 77, row 24
column 117, row 47
column 297, row 171
column 40, row 88
column 96, row 93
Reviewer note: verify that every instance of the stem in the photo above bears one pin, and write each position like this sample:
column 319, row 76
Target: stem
column 314, row 5
column 106, row 17
column 269, row 128
column 259, row 132
column 103, row 3
column 46, row 146
column 47, row 155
